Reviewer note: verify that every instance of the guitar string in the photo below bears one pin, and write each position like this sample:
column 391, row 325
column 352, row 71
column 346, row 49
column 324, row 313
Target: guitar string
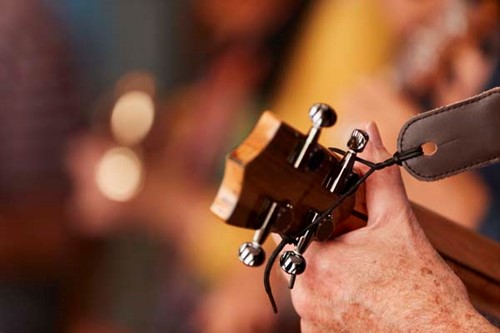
column 398, row 158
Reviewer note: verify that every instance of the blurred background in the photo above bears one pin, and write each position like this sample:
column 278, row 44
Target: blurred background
column 115, row 116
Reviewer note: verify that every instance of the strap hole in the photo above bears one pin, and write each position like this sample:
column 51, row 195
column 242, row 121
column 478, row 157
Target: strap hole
column 429, row 148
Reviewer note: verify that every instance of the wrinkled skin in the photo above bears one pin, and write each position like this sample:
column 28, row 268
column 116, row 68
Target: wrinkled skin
column 385, row 277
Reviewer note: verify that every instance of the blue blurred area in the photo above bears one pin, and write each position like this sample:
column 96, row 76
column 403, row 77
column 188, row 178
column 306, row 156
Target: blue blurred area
column 112, row 37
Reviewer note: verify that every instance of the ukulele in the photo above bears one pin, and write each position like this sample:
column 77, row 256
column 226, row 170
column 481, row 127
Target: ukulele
column 283, row 181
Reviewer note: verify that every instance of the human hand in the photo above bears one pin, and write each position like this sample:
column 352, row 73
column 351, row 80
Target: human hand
column 385, row 277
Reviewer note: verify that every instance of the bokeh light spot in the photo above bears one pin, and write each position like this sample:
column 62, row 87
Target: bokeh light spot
column 132, row 117
column 119, row 174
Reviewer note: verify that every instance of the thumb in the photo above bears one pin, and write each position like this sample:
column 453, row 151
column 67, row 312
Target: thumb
column 385, row 192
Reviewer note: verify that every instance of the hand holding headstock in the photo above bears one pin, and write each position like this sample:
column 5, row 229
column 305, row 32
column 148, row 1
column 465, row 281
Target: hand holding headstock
column 280, row 180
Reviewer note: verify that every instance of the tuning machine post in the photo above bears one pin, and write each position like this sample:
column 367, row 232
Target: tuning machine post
column 321, row 115
column 340, row 177
column 293, row 262
column 251, row 253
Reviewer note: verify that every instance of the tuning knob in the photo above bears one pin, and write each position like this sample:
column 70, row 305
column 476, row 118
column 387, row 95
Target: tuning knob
column 356, row 144
column 251, row 254
column 358, row 140
column 322, row 115
column 293, row 263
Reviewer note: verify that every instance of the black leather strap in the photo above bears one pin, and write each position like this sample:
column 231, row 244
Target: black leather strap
column 466, row 134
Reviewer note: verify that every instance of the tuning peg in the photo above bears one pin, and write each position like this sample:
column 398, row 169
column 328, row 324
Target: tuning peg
column 356, row 144
column 251, row 253
column 293, row 262
column 358, row 140
column 321, row 115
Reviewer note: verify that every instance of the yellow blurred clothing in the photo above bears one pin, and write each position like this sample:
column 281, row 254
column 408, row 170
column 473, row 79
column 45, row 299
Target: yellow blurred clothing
column 341, row 41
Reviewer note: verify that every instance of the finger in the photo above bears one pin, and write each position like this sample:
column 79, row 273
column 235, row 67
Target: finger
column 385, row 192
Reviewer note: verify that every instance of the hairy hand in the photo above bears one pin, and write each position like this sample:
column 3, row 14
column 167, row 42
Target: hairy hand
column 385, row 277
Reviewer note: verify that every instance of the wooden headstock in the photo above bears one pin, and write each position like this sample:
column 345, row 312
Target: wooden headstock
column 260, row 171
column 279, row 180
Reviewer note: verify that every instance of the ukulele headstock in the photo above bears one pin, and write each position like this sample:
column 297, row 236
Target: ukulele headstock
column 280, row 180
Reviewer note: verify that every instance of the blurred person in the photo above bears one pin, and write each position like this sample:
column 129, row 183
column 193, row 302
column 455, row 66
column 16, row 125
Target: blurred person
column 47, row 265
column 39, row 112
